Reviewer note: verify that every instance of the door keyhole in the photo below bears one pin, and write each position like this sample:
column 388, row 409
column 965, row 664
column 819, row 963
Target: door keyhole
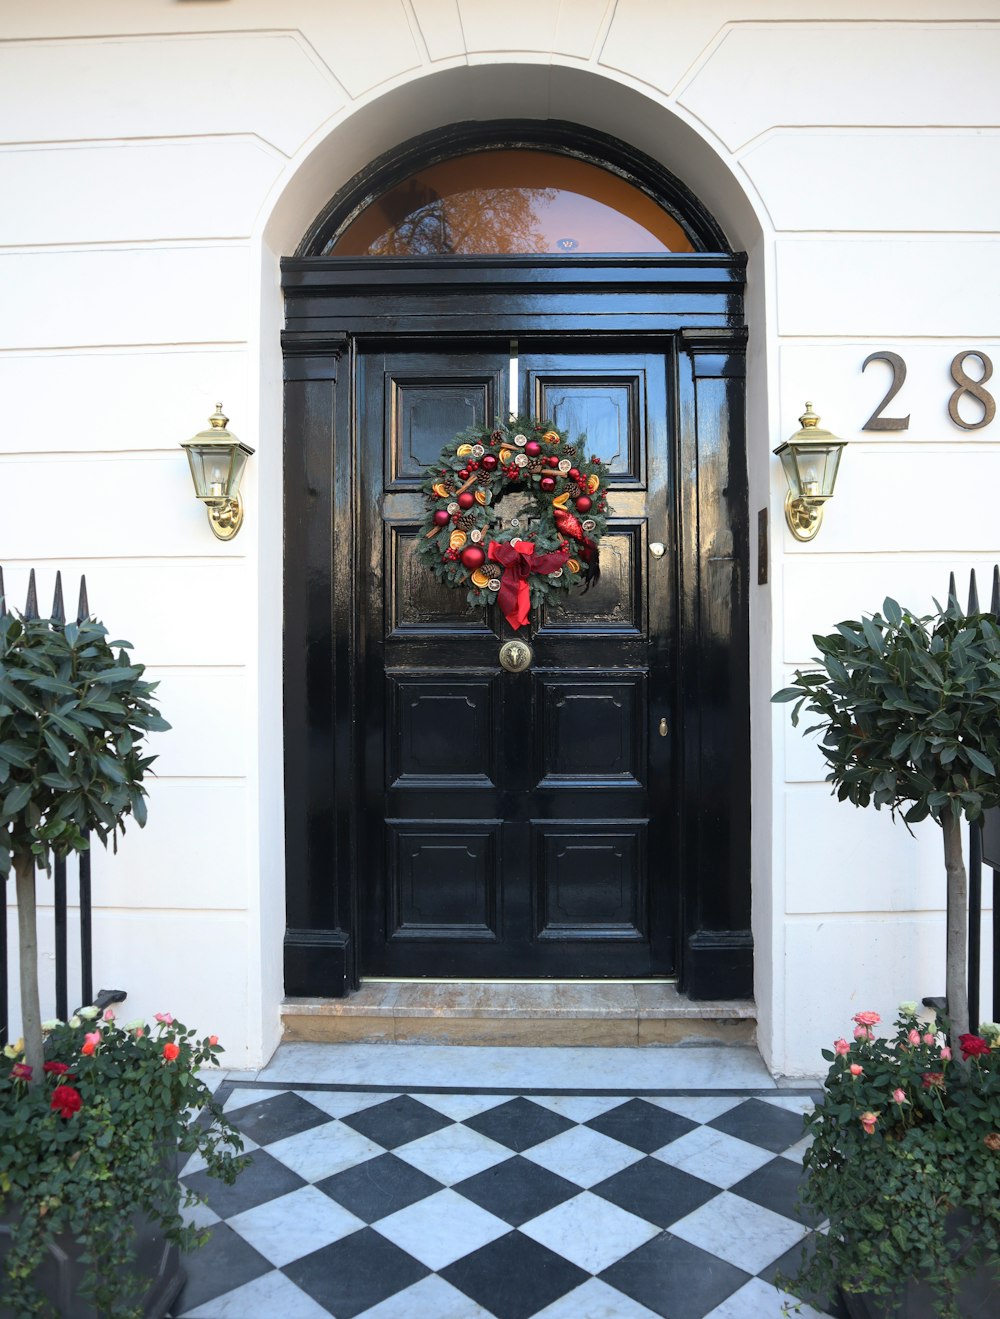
column 663, row 727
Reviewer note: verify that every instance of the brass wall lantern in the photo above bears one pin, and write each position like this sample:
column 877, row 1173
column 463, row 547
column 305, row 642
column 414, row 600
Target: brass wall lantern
column 217, row 461
column 811, row 458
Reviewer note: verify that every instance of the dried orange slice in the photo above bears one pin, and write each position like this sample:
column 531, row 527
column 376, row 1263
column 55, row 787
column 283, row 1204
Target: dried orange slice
column 573, row 565
column 593, row 482
column 457, row 539
column 562, row 500
column 482, row 497
column 479, row 578
column 463, row 451
column 441, row 490
column 505, row 456
column 551, row 437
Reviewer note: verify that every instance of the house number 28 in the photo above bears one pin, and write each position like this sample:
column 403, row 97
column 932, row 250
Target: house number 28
column 965, row 384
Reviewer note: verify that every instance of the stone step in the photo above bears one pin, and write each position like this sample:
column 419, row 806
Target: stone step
column 541, row 1013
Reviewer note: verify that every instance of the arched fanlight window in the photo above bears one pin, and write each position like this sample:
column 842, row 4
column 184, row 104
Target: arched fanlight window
column 513, row 190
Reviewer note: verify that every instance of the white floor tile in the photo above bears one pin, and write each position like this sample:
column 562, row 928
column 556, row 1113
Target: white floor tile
column 453, row 1153
column 714, row 1156
column 199, row 1215
column 583, row 1156
column 699, row 1108
column 196, row 1162
column 745, row 1234
column 322, row 1151
column 591, row 1232
column 269, row 1297
column 757, row 1299
column 578, row 1108
column 341, row 1103
column 243, row 1096
column 594, row 1300
column 430, row 1298
column 441, row 1229
column 791, row 1103
column 460, row 1107
column 294, row 1225
column 797, row 1151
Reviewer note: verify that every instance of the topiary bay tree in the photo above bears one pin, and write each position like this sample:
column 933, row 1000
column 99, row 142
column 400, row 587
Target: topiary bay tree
column 909, row 717
column 74, row 712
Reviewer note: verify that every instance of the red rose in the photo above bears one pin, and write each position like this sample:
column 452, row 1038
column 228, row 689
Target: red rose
column 66, row 1101
column 57, row 1069
column 972, row 1046
column 21, row 1072
column 170, row 1051
column 933, row 1080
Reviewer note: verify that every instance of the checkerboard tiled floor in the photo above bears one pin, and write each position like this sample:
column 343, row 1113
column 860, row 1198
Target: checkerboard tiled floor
column 449, row 1205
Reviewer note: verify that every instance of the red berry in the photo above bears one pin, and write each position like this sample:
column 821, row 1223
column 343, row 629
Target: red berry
column 574, row 474
column 552, row 460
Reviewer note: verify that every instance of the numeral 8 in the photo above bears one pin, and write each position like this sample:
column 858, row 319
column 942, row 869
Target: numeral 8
column 966, row 385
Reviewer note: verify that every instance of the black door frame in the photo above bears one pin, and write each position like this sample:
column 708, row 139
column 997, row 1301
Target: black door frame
column 331, row 302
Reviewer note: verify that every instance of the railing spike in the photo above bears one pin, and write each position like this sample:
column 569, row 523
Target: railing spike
column 83, row 608
column 952, row 589
column 973, row 593
column 994, row 603
column 58, row 608
column 31, row 604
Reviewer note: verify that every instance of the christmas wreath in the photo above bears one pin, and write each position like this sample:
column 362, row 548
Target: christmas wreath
column 549, row 544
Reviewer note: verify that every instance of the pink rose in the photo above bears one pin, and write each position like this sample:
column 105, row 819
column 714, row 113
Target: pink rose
column 899, row 1097
column 90, row 1042
column 863, row 1033
column 109, row 1014
column 842, row 1047
column 868, row 1121
column 945, row 1053
column 213, row 1039
column 856, row 1069
column 165, row 1017
column 928, row 1038
column 914, row 1037
column 866, row 1018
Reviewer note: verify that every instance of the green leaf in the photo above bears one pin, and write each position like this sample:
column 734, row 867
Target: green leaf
column 892, row 611
column 17, row 798
column 979, row 760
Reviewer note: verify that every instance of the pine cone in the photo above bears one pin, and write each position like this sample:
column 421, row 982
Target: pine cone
column 466, row 522
column 536, row 465
column 570, row 451
column 492, row 570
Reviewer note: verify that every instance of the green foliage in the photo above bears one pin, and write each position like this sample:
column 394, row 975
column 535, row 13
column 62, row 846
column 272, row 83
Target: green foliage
column 909, row 711
column 88, row 1172
column 897, row 1149
column 73, row 715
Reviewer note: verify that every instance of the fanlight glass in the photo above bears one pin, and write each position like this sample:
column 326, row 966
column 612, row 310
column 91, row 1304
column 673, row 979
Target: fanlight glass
column 511, row 202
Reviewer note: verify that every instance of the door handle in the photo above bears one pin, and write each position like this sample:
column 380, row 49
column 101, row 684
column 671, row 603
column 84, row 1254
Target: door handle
column 657, row 550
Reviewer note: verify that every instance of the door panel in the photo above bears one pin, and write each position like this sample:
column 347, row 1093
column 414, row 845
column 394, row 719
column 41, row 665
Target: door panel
column 507, row 821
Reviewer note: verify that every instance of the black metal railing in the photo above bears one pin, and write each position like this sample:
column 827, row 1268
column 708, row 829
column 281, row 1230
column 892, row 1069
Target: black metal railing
column 984, row 847
column 59, row 869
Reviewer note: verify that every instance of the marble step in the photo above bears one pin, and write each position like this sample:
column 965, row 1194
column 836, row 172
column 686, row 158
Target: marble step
column 543, row 1013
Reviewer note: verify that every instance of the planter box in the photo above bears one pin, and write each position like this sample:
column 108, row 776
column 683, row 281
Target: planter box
column 978, row 1298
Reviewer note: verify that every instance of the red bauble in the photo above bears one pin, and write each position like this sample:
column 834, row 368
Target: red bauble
column 473, row 557
column 442, row 517
column 552, row 460
column 548, row 483
column 582, row 504
column 532, row 448
column 464, row 474
column 574, row 473
column 490, row 461
column 466, row 499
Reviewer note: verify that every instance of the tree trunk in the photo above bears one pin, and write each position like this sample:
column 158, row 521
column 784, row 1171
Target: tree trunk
column 31, row 1015
column 957, row 967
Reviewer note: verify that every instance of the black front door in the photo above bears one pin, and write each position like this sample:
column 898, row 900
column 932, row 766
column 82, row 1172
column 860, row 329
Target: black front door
column 517, row 824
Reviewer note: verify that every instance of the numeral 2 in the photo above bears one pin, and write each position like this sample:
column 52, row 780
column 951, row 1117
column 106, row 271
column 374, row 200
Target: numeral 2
column 876, row 422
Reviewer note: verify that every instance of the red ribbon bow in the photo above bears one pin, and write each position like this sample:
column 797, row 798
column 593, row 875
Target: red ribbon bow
column 519, row 562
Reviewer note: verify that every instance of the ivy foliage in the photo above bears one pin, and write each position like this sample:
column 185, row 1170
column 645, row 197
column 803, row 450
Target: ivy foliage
column 909, row 711
column 74, row 712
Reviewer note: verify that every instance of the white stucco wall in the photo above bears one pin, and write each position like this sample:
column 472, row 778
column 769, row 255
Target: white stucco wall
column 156, row 160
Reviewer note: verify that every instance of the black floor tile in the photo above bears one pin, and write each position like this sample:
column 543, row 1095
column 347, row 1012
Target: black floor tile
column 517, row 1190
column 788, row 1266
column 514, row 1276
column 397, row 1121
column 761, row 1124
column 265, row 1179
column 643, row 1126
column 519, row 1124
column 355, row 1273
column 274, row 1119
column 225, row 1262
column 776, row 1186
column 655, row 1191
column 675, row 1279
column 379, row 1187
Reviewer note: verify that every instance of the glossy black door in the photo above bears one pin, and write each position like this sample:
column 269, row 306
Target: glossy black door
column 508, row 827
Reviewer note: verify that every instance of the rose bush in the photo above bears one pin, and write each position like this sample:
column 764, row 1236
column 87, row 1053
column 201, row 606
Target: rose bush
column 905, row 1136
column 91, row 1140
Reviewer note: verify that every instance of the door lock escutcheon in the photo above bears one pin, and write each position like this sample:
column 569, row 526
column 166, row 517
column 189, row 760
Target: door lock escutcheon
column 663, row 728
column 657, row 550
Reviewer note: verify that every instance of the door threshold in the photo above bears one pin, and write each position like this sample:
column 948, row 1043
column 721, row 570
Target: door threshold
column 522, row 1013
column 514, row 980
